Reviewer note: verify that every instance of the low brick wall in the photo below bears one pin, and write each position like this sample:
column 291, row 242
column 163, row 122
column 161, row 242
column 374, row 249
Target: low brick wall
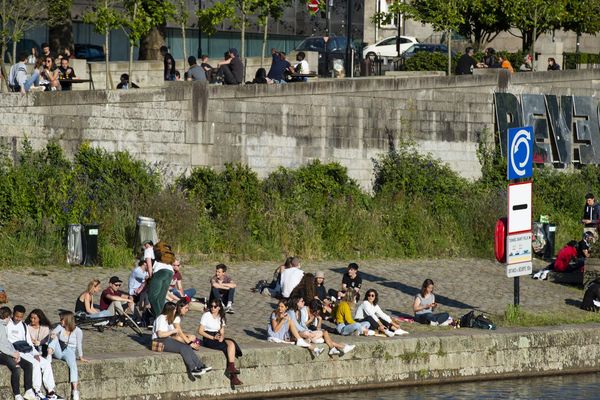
column 451, row 356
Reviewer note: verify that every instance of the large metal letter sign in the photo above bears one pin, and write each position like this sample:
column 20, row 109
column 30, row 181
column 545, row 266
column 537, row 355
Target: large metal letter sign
column 520, row 153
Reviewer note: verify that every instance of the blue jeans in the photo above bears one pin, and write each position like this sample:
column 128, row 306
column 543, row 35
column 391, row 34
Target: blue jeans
column 32, row 81
column 348, row 329
column 67, row 355
column 191, row 293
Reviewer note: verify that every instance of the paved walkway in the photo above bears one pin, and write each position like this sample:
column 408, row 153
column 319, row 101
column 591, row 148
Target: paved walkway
column 461, row 285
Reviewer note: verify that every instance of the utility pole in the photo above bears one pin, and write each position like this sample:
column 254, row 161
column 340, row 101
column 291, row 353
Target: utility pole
column 348, row 66
column 199, row 32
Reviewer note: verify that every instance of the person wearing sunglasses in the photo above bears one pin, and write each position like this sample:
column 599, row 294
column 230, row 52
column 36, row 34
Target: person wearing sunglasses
column 113, row 298
column 212, row 330
column 49, row 74
column 370, row 311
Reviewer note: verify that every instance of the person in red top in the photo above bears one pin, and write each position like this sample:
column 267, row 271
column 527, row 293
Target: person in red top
column 566, row 261
column 112, row 297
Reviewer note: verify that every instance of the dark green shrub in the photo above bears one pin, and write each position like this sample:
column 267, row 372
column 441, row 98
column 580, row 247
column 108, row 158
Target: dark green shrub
column 426, row 61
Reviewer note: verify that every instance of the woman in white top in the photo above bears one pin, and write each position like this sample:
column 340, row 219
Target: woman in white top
column 67, row 345
column 38, row 327
column 370, row 311
column 182, row 308
column 163, row 331
column 212, row 330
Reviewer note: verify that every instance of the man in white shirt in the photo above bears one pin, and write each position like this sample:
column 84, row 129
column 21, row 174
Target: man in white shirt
column 42, row 368
column 291, row 277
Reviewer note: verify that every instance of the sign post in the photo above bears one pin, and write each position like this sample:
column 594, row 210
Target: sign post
column 518, row 239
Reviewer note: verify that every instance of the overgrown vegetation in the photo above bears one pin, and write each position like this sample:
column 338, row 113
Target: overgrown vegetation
column 516, row 316
column 418, row 207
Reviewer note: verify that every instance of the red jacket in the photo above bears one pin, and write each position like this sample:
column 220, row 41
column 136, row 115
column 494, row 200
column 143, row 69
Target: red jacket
column 563, row 258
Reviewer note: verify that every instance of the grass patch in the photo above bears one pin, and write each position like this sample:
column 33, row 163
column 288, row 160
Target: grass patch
column 515, row 316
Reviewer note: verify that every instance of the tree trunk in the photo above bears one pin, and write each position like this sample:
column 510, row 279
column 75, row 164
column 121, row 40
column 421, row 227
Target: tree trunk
column 14, row 52
column 184, row 46
column 131, row 45
column 533, row 39
column 449, row 52
column 106, row 59
column 264, row 42
column 151, row 43
column 3, row 68
column 243, row 31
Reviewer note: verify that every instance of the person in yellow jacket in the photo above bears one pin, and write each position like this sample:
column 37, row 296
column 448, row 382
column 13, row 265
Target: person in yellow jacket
column 345, row 324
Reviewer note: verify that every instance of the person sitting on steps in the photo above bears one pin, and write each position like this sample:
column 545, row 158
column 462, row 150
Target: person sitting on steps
column 222, row 288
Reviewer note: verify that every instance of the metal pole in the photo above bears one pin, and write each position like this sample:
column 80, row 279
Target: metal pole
column 516, row 290
column 329, row 6
column 348, row 65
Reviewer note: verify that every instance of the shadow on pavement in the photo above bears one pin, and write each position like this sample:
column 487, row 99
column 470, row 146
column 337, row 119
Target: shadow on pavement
column 364, row 275
column 257, row 333
column 413, row 291
column 573, row 302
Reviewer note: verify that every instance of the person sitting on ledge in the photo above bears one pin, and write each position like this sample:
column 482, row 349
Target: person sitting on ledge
column 212, row 330
column 370, row 311
column 342, row 316
column 281, row 329
column 424, row 305
column 298, row 313
column 164, row 336
column 314, row 320
column 113, row 299
column 566, row 262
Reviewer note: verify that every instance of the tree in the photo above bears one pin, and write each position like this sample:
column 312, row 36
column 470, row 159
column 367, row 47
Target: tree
column 483, row 21
column 60, row 25
column 16, row 18
column 268, row 9
column 442, row 15
column 105, row 17
column 533, row 18
column 160, row 11
column 136, row 23
column 234, row 11
column 181, row 18
column 582, row 16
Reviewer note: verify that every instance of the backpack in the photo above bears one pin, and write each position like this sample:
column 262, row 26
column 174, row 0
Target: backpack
column 469, row 320
column 164, row 253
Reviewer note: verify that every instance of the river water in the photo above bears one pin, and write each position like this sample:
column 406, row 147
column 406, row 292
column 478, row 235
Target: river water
column 569, row 387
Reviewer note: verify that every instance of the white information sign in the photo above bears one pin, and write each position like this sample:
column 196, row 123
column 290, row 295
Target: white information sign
column 513, row 270
column 518, row 248
column 519, row 207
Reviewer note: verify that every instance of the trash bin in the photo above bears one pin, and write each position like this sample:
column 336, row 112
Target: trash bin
column 550, row 232
column 145, row 229
column 90, row 244
column 74, row 245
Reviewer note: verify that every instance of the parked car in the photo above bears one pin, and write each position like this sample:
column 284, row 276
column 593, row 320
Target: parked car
column 333, row 49
column 425, row 47
column 89, row 52
column 23, row 46
column 387, row 47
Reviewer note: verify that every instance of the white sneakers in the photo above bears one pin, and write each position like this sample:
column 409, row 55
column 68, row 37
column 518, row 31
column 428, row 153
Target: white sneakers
column 388, row 333
column 434, row 323
column 334, row 352
column 348, row 348
column 75, row 395
column 317, row 351
column 541, row 274
column 370, row 333
column 447, row 322
column 399, row 332
column 302, row 343
column 29, row 395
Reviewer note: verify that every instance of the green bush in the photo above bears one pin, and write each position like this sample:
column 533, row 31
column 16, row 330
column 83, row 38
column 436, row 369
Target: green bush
column 571, row 60
column 418, row 207
column 426, row 61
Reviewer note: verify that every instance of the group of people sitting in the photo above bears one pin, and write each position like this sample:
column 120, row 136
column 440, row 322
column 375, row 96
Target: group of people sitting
column 304, row 304
column 28, row 345
column 156, row 298
column 46, row 75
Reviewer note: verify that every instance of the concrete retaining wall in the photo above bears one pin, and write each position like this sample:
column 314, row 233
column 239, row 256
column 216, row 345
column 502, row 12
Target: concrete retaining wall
column 452, row 356
column 183, row 124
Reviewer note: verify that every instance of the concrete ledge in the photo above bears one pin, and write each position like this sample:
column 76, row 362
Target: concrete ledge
column 453, row 355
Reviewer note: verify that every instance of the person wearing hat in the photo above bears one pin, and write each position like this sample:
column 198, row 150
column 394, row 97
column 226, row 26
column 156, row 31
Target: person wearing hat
column 113, row 298
column 591, row 215
column 232, row 69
